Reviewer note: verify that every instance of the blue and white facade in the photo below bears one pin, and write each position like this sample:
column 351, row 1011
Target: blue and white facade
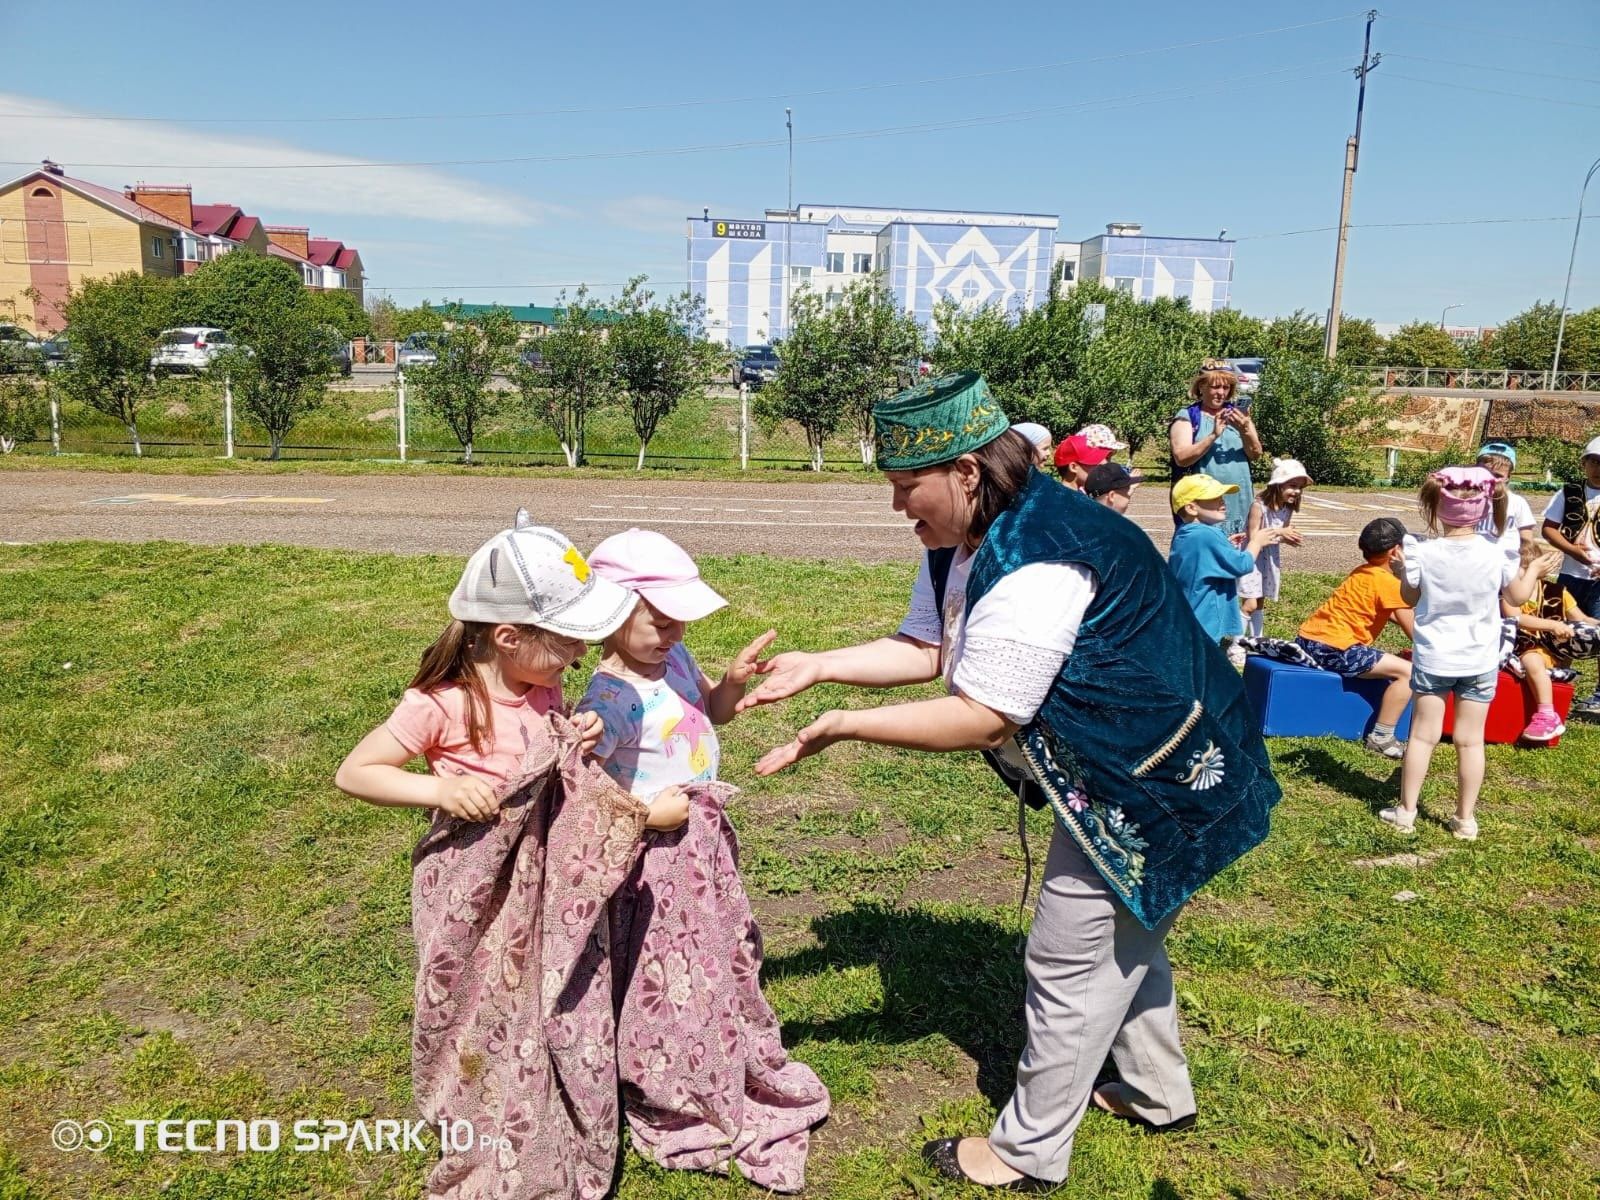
column 1149, row 268
column 748, row 271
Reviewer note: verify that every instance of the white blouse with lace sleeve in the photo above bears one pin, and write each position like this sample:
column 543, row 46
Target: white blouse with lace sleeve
column 1007, row 652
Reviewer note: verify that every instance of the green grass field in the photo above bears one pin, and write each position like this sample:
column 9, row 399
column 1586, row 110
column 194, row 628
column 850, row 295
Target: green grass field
column 194, row 924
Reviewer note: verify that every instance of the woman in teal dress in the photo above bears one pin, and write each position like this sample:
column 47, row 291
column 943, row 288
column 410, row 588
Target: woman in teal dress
column 1215, row 437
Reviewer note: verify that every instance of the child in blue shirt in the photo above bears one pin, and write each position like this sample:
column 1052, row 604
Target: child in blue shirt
column 1207, row 563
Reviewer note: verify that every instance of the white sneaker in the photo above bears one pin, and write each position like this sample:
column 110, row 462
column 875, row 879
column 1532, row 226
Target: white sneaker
column 1464, row 828
column 1403, row 821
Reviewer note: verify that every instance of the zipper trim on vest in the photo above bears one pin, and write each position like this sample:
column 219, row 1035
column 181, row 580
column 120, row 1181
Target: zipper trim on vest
column 1168, row 747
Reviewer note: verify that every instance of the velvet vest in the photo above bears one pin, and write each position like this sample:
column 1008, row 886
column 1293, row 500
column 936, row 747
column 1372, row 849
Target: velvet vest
column 1145, row 749
column 1573, row 515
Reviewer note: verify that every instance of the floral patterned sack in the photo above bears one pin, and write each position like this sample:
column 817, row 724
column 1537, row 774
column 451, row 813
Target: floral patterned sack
column 513, row 1029
column 705, row 1077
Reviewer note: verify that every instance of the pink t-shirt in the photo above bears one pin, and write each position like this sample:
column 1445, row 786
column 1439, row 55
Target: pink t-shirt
column 434, row 725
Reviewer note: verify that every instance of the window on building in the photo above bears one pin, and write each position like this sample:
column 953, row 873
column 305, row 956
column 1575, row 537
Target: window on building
column 861, row 264
column 1069, row 270
column 1125, row 283
column 835, row 264
column 44, row 193
column 799, row 274
column 155, row 246
column 970, row 289
column 832, row 300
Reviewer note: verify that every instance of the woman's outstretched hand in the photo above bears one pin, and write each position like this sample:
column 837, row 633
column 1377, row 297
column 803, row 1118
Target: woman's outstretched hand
column 813, row 739
column 787, row 674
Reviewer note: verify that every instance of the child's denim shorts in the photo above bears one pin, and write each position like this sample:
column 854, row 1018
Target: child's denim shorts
column 1466, row 687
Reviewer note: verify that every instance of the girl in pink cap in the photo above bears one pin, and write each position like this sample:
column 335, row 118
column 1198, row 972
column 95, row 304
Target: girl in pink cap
column 1456, row 581
column 706, row 1081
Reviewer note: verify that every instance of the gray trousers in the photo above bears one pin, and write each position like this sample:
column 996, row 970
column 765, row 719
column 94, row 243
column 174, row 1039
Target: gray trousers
column 1098, row 982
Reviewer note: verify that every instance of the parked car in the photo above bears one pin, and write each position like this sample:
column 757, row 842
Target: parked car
column 418, row 350
column 19, row 349
column 56, row 351
column 1249, row 372
column 532, row 359
column 191, row 348
column 341, row 350
column 756, row 366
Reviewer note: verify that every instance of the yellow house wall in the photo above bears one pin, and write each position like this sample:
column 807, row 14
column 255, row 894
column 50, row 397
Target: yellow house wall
column 14, row 277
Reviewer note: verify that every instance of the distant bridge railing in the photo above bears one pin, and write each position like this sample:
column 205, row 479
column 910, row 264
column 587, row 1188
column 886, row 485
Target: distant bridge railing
column 1472, row 379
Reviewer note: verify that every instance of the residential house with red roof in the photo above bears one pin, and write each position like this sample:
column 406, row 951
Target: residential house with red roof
column 56, row 232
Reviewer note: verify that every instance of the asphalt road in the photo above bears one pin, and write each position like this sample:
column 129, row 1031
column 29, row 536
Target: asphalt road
column 452, row 515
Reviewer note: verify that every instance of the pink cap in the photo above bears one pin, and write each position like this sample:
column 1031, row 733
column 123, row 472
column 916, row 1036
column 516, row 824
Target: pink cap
column 658, row 569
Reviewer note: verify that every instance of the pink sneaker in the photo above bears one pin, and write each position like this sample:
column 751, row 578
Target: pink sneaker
column 1544, row 727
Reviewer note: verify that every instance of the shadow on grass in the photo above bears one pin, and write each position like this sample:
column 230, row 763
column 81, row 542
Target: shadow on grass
column 1313, row 762
column 952, row 974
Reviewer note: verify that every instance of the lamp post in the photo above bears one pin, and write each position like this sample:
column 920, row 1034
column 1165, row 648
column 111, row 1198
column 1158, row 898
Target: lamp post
column 1446, row 313
column 1561, row 330
column 788, row 222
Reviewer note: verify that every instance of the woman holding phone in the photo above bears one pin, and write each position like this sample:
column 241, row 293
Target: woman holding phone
column 1215, row 436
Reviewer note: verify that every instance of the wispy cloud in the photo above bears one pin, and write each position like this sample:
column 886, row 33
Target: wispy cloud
column 50, row 131
column 662, row 215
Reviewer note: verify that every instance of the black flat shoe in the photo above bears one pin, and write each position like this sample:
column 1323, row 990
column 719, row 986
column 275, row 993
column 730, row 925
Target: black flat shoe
column 941, row 1156
column 1144, row 1124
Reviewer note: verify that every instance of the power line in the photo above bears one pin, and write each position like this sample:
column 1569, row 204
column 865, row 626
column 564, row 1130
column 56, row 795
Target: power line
column 1498, row 34
column 1294, row 73
column 1254, row 237
column 1467, row 87
column 1448, row 62
column 678, row 104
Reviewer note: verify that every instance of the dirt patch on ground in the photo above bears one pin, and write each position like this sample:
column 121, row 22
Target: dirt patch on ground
column 785, row 921
column 109, row 762
column 1399, row 860
column 985, row 877
column 893, row 1118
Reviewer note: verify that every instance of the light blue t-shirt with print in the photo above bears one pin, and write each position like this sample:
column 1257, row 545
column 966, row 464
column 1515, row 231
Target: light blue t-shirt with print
column 657, row 732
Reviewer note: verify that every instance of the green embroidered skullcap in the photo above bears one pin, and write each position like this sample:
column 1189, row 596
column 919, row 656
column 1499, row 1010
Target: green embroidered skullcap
column 937, row 421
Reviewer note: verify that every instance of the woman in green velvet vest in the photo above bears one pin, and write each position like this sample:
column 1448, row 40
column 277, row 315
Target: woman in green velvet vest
column 1071, row 660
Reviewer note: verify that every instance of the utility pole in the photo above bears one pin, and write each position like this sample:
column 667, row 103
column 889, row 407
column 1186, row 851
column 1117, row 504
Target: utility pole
column 788, row 222
column 1561, row 330
column 1352, row 153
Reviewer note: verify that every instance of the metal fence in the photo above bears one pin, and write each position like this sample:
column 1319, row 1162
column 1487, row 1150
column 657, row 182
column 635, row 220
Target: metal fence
column 1469, row 379
column 384, row 421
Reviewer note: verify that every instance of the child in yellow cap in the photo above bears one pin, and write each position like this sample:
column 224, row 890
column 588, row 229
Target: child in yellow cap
column 1207, row 563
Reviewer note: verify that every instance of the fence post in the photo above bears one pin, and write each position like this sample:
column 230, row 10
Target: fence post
column 227, row 417
column 744, row 426
column 400, row 410
column 55, row 423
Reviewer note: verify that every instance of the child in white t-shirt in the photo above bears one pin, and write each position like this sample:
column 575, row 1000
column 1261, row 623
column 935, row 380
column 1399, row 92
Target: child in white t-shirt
column 1456, row 582
column 1500, row 459
column 1572, row 525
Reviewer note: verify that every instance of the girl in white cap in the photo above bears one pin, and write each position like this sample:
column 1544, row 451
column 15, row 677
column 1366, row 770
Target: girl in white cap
column 1274, row 508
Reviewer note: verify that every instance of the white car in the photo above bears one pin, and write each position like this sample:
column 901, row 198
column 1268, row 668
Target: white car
column 190, row 348
column 1249, row 372
column 418, row 350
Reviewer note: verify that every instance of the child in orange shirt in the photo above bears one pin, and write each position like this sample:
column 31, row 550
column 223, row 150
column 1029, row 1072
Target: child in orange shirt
column 1338, row 637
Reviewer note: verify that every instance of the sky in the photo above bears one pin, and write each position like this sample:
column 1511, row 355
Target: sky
column 620, row 122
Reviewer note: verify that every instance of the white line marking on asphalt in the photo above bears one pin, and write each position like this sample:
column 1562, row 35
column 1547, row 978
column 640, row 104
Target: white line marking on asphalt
column 1320, row 502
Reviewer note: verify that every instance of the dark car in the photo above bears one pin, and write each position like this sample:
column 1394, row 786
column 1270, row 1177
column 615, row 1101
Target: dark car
column 531, row 359
column 758, row 365
column 56, row 351
column 19, row 349
column 339, row 350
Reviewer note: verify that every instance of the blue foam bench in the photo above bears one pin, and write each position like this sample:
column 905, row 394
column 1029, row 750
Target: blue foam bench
column 1293, row 701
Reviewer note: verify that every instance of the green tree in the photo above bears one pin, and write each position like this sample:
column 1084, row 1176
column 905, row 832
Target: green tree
column 1325, row 414
column 283, row 346
column 423, row 318
column 1232, row 334
column 23, row 411
column 342, row 311
column 115, row 323
column 1527, row 342
column 1360, row 343
column 1421, row 344
column 459, row 387
column 659, row 355
column 577, row 375
column 1298, row 333
column 880, row 346
column 814, row 376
